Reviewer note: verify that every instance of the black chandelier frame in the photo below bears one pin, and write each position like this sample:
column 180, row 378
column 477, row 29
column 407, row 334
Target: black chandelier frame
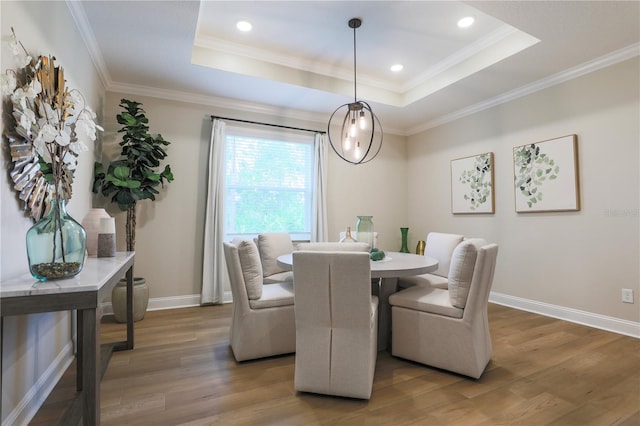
column 354, row 111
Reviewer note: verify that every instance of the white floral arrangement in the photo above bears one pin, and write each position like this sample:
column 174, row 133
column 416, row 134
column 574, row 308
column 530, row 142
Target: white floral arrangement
column 52, row 123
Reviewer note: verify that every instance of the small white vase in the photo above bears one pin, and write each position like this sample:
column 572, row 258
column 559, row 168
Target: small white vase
column 91, row 224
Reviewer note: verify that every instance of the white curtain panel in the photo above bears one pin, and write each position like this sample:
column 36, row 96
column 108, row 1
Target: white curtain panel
column 214, row 269
column 319, row 227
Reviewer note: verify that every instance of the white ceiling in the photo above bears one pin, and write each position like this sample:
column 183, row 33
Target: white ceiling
column 298, row 60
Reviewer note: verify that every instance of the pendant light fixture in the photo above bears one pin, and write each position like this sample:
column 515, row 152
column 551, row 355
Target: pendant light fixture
column 360, row 137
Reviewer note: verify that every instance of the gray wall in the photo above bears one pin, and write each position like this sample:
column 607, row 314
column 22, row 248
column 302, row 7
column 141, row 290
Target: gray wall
column 577, row 260
column 37, row 348
column 170, row 230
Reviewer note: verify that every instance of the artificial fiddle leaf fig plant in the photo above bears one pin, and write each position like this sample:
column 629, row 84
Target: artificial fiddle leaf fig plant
column 134, row 176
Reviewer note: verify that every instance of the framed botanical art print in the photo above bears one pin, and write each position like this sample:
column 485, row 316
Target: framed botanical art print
column 472, row 184
column 546, row 175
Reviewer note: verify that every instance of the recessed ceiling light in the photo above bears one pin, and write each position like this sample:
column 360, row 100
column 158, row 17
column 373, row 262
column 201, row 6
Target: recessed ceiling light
column 466, row 22
column 244, row 26
column 397, row 67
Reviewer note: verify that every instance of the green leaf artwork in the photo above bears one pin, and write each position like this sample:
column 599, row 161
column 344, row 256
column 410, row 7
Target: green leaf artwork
column 533, row 167
column 478, row 181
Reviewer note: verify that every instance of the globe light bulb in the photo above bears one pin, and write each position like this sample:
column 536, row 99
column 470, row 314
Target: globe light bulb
column 362, row 121
column 353, row 130
column 357, row 153
column 346, row 142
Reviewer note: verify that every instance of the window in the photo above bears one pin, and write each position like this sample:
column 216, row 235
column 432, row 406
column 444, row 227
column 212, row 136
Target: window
column 268, row 182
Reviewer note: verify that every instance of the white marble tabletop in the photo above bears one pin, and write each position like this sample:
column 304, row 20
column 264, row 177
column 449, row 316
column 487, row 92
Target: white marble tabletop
column 94, row 275
column 393, row 265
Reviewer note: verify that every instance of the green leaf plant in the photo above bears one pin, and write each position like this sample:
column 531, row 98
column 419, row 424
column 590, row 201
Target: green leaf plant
column 134, row 176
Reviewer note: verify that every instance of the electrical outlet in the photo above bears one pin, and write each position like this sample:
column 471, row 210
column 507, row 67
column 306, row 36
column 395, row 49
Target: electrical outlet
column 627, row 295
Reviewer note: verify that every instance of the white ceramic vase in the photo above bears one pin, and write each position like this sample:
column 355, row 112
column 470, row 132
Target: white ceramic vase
column 91, row 224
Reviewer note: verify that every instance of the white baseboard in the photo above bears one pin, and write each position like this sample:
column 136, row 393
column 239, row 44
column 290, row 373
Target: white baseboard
column 28, row 407
column 174, row 302
column 603, row 322
column 160, row 303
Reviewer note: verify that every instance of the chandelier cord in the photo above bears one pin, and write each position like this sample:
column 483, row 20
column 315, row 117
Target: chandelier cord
column 355, row 86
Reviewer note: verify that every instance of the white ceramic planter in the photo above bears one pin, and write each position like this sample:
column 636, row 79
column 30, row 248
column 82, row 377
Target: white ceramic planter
column 140, row 299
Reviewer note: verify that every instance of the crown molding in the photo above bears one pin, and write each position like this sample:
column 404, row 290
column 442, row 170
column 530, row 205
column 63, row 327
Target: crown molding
column 216, row 102
column 460, row 56
column 86, row 33
column 80, row 18
column 290, row 61
column 226, row 104
column 588, row 67
column 240, row 58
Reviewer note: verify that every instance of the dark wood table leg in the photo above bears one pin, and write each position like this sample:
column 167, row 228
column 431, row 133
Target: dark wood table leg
column 130, row 308
column 1, row 355
column 126, row 345
column 388, row 286
column 79, row 349
column 90, row 370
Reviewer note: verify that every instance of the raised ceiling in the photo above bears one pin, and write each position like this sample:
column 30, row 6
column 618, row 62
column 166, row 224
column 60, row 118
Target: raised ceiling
column 298, row 59
column 318, row 54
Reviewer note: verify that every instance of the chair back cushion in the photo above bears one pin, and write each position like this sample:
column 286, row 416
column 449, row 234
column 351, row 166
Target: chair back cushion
column 463, row 261
column 333, row 247
column 355, row 235
column 270, row 246
column 251, row 267
column 336, row 323
column 333, row 288
column 440, row 246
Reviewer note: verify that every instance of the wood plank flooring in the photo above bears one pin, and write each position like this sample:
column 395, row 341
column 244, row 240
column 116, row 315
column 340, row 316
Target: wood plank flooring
column 543, row 372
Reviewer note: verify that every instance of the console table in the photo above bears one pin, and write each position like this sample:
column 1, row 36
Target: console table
column 83, row 293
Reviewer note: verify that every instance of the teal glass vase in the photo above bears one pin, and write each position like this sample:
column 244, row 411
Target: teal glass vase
column 405, row 233
column 56, row 244
column 364, row 231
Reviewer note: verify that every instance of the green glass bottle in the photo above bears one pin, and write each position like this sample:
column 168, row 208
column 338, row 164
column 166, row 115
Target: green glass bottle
column 364, row 231
column 405, row 233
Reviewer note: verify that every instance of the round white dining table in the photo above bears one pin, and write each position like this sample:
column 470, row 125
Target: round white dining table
column 389, row 269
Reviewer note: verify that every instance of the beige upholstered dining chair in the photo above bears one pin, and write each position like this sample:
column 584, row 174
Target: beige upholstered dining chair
column 328, row 246
column 355, row 235
column 336, row 323
column 270, row 246
column 440, row 246
column 449, row 329
column 263, row 318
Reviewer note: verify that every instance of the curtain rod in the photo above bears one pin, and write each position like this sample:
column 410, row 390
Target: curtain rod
column 213, row 117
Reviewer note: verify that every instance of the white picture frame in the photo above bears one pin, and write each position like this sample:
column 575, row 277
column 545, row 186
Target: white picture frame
column 545, row 176
column 472, row 188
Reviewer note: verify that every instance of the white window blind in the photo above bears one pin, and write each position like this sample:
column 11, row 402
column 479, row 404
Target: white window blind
column 268, row 182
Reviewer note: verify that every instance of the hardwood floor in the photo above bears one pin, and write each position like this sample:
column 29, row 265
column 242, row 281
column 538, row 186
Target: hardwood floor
column 543, row 372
